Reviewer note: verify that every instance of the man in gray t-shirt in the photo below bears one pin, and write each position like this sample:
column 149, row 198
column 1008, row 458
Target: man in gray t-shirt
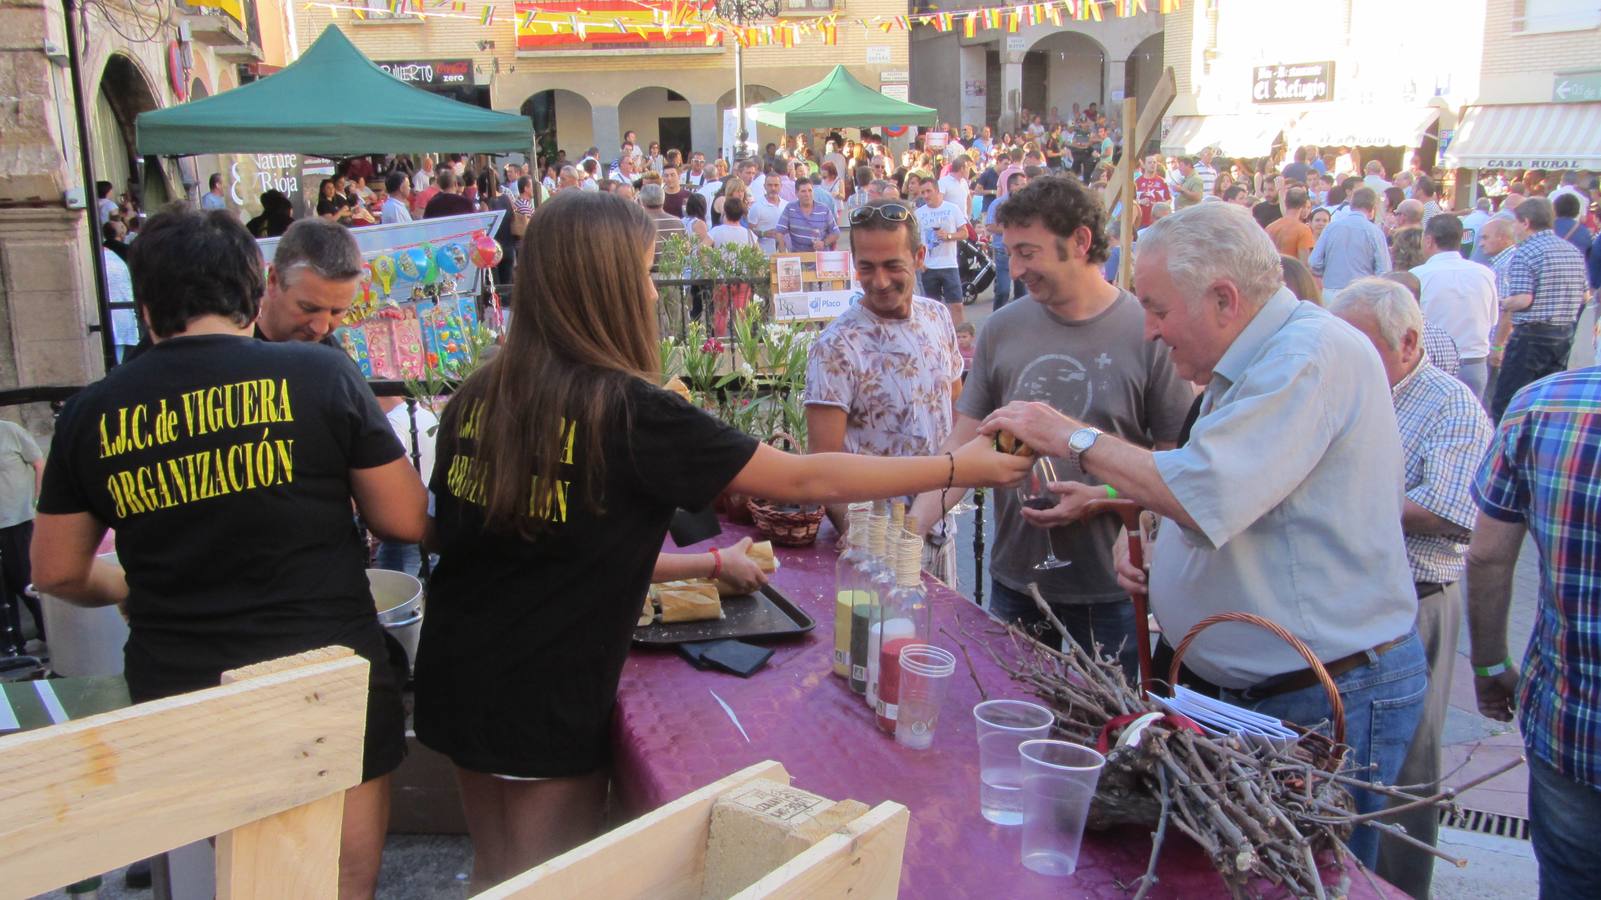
column 1079, row 346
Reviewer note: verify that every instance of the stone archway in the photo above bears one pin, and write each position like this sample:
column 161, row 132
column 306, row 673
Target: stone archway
column 561, row 120
column 754, row 94
column 1061, row 69
column 1143, row 68
column 124, row 92
column 656, row 114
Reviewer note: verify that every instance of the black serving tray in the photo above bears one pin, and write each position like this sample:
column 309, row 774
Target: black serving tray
column 764, row 614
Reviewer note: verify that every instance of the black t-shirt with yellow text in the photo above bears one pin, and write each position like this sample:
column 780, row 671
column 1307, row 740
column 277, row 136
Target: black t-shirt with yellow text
column 524, row 641
column 223, row 464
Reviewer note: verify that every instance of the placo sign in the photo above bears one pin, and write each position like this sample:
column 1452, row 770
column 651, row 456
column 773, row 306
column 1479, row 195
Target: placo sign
column 878, row 54
column 811, row 305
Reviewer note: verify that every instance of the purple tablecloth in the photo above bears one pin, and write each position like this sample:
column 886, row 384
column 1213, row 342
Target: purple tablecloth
column 670, row 738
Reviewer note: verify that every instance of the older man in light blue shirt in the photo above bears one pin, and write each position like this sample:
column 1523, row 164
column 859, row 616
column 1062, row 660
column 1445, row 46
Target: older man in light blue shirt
column 1285, row 502
column 1351, row 246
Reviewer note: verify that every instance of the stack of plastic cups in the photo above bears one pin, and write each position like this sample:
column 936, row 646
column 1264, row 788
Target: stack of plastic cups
column 925, row 672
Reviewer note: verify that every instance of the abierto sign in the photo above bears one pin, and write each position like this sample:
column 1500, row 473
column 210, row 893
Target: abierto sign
column 1308, row 82
column 427, row 73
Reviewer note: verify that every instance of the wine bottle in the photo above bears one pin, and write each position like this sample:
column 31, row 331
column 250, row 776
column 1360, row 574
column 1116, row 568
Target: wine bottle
column 905, row 618
column 851, row 577
column 884, row 582
column 867, row 600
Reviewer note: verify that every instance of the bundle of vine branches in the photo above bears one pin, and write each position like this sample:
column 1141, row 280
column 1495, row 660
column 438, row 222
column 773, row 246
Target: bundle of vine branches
column 1259, row 812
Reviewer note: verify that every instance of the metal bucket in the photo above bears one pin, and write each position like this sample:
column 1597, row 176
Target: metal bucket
column 84, row 641
column 398, row 598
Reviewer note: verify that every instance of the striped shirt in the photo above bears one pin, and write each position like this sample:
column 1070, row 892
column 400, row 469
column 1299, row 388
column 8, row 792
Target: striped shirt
column 806, row 231
column 1443, row 435
column 1551, row 269
column 1541, row 470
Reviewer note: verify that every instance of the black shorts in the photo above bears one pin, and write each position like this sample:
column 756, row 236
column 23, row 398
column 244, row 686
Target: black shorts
column 384, row 744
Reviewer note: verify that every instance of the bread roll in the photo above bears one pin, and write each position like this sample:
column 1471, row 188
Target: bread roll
column 689, row 601
column 647, row 615
column 762, row 553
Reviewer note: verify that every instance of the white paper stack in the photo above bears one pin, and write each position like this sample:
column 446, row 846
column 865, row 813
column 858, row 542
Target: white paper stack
column 1227, row 719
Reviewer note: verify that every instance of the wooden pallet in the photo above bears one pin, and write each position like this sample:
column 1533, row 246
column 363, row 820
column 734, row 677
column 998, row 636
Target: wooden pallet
column 662, row 856
column 262, row 761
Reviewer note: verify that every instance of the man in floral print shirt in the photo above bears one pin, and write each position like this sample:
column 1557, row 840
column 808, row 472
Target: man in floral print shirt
column 883, row 378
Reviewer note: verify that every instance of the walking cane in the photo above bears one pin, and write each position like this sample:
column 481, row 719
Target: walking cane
column 1129, row 512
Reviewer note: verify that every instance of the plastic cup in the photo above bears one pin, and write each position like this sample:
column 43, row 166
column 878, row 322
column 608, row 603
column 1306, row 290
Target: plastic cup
column 1002, row 726
column 1059, row 781
column 925, row 671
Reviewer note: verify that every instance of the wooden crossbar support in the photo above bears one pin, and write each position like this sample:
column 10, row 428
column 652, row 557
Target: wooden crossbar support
column 89, row 796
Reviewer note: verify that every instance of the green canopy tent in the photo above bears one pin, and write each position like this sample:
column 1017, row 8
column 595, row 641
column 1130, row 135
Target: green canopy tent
column 331, row 102
column 840, row 100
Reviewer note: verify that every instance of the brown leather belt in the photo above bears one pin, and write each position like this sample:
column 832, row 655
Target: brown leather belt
column 1305, row 678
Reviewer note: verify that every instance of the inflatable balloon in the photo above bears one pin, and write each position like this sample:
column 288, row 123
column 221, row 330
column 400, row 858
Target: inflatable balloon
column 452, row 258
column 411, row 264
column 430, row 272
column 486, row 252
column 383, row 274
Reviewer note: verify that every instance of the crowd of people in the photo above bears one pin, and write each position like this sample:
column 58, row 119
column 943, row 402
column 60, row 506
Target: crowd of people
column 1345, row 399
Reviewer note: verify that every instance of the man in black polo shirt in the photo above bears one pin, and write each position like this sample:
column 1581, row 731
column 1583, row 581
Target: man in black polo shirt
column 311, row 284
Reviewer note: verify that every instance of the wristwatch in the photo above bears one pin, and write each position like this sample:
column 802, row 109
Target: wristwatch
column 1079, row 443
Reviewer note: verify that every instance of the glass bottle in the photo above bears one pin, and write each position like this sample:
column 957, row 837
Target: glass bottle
column 852, row 575
column 885, row 584
column 867, row 600
column 905, row 618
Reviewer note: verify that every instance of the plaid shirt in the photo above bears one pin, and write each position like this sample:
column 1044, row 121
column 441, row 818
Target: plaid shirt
column 1443, row 435
column 1542, row 470
column 1553, row 271
column 1442, row 349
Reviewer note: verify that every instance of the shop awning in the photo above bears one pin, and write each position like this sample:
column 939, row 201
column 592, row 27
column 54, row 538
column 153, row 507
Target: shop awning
column 331, row 102
column 1248, row 136
column 1362, row 126
column 1549, row 136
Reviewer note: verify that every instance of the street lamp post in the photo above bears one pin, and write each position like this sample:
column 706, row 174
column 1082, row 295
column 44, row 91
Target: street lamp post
column 741, row 13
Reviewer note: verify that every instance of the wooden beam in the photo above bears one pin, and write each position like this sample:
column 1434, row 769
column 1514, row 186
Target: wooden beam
column 294, row 853
column 1133, row 144
column 863, row 861
column 1126, row 169
column 661, row 855
column 93, row 795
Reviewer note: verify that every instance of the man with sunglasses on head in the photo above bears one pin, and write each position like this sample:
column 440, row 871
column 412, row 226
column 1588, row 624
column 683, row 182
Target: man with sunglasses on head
column 849, row 404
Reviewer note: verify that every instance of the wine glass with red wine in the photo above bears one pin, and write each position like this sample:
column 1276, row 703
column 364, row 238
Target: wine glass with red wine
column 1035, row 494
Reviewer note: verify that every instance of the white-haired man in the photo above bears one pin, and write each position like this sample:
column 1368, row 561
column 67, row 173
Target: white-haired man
column 1444, row 433
column 1294, row 541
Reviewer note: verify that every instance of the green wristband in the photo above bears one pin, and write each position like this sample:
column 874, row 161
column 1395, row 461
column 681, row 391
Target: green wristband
column 1492, row 671
column 1111, row 492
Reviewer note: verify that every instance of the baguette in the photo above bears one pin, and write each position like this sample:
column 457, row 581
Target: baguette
column 689, row 601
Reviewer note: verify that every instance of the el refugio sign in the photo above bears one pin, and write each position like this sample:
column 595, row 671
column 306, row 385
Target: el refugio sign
column 1293, row 83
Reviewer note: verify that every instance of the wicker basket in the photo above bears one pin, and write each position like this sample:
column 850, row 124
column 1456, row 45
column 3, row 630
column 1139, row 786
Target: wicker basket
column 1326, row 754
column 786, row 527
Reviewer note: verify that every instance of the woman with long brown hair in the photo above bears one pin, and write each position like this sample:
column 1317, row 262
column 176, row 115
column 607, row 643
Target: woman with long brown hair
column 559, row 464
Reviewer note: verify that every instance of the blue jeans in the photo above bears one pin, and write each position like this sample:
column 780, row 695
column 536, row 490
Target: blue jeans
column 1562, row 814
column 1533, row 352
column 1003, row 275
column 944, row 285
column 1109, row 624
column 397, row 557
column 1383, row 704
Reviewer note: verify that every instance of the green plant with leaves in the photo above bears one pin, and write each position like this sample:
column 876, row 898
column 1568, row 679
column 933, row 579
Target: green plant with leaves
column 433, row 389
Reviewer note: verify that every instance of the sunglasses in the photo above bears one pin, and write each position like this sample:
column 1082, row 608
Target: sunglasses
column 889, row 212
